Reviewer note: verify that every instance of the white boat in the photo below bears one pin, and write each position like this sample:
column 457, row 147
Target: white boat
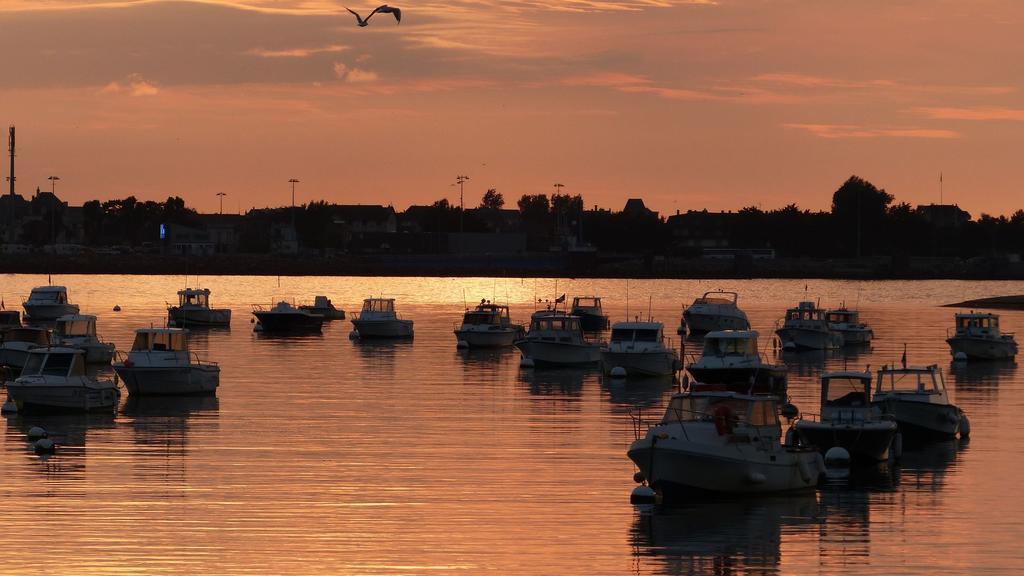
column 720, row 441
column 805, row 327
column 160, row 363
column 15, row 344
column 79, row 331
column 488, row 326
column 847, row 322
column 378, row 319
column 193, row 309
column 730, row 358
column 322, row 305
column 848, row 420
column 556, row 338
column 54, row 379
column 716, row 310
column 639, row 348
column 47, row 303
column 977, row 337
column 916, row 397
column 283, row 317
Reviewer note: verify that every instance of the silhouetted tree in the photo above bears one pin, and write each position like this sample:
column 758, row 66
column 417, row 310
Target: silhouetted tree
column 492, row 199
column 859, row 210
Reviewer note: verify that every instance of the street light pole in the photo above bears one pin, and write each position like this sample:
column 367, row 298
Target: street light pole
column 461, row 180
column 293, row 182
column 222, row 195
column 53, row 184
column 53, row 190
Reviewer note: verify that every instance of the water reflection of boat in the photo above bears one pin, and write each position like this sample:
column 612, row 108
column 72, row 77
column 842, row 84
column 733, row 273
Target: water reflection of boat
column 978, row 376
column 556, row 381
column 144, row 406
column 734, row 536
column 69, row 432
column 924, row 467
column 637, row 392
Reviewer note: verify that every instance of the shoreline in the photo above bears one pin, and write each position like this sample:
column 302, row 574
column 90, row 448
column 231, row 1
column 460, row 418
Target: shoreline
column 993, row 303
column 553, row 265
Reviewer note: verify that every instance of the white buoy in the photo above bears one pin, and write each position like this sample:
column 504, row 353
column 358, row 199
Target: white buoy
column 36, row 432
column 618, row 372
column 960, row 357
column 9, row 407
column 526, row 362
column 789, row 346
column 462, row 344
column 117, row 308
column 643, row 494
column 837, row 456
column 44, row 446
column 965, row 426
column 353, row 335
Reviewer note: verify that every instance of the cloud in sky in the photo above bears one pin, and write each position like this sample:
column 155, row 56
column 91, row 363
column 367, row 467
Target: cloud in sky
column 133, row 85
column 982, row 113
column 832, row 131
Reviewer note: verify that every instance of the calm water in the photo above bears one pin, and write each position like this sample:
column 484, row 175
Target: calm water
column 324, row 455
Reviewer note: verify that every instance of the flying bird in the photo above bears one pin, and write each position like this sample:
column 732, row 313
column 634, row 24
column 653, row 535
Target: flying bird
column 383, row 9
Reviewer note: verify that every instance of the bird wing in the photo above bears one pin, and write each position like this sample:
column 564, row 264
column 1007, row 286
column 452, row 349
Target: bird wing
column 398, row 14
column 356, row 14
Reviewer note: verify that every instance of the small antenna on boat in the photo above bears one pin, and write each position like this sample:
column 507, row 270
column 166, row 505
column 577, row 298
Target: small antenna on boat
column 650, row 299
column 627, row 299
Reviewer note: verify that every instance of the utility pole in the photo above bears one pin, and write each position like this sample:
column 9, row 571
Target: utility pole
column 293, row 182
column 461, row 180
column 10, row 147
column 222, row 195
column 53, row 184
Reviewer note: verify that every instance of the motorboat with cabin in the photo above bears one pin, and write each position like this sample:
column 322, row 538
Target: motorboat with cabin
column 79, row 331
column 588, row 310
column 847, row 322
column 322, row 305
column 714, row 311
column 378, row 319
column 283, row 317
column 54, row 379
column 806, row 328
column 977, row 337
column 640, row 349
column 556, row 339
column 47, row 303
column 10, row 319
column 848, row 420
column 731, row 360
column 15, row 344
column 488, row 325
column 724, row 442
column 916, row 397
column 194, row 310
column 160, row 363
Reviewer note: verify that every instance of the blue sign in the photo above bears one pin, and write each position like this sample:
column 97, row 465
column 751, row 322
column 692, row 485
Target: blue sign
column 163, row 232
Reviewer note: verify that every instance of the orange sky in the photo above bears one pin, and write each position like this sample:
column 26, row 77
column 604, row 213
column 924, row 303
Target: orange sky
column 688, row 104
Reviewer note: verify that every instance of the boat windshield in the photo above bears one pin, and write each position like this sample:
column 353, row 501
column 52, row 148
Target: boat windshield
column 194, row 298
column 377, row 305
column 760, row 412
column 557, row 323
column 160, row 341
column 480, row 318
column 918, row 381
column 842, row 316
column 845, row 391
column 637, row 335
column 586, row 302
column 48, row 296
column 730, row 347
column 34, row 335
column 803, row 314
column 53, row 364
column 77, row 327
column 977, row 322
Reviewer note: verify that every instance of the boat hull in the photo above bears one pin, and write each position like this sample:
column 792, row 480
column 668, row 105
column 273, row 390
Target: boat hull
column 327, row 313
column 97, row 353
column 559, row 353
column 677, row 468
column 169, row 381
column 856, row 336
column 867, row 442
column 983, row 348
column 922, row 421
column 771, row 380
column 698, row 323
column 806, row 339
column 488, row 338
column 642, row 363
column 277, row 322
column 199, row 316
column 384, row 328
column 71, row 398
column 47, row 312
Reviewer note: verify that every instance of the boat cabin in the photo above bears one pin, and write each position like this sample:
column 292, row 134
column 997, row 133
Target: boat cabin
column 805, row 311
column 322, row 302
column 36, row 336
column 554, row 326
column 977, row 324
column 63, row 362
column 48, row 295
column 842, row 316
column 589, row 303
column 842, row 393
column 626, row 332
column 731, row 343
column 379, row 305
column 160, row 340
column 725, row 409
column 486, row 313
column 913, row 380
column 75, row 325
column 194, row 298
column 10, row 318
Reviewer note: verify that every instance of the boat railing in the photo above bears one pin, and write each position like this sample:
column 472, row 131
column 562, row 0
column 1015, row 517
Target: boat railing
column 122, row 357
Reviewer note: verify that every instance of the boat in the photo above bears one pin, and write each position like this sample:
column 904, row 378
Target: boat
column 639, row 348
column 378, row 319
column 47, row 303
column 79, row 331
column 724, row 442
column 556, row 339
column 488, row 325
column 283, row 317
column 15, row 344
column 160, row 363
column 977, row 337
column 730, row 360
column 806, row 328
column 54, row 379
column 193, row 309
column 10, row 319
column 714, row 311
column 847, row 322
column 322, row 305
column 848, row 420
column 588, row 310
column 916, row 397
